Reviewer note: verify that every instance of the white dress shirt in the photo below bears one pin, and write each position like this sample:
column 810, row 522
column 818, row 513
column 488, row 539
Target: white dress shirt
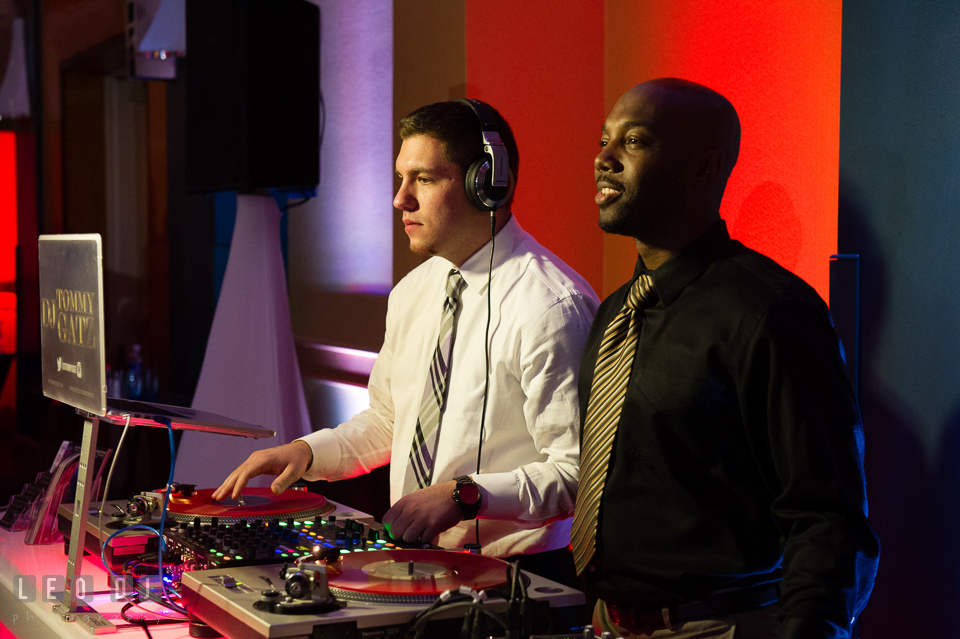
column 541, row 314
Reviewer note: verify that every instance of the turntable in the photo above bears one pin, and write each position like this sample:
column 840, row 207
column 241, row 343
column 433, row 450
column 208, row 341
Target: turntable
column 379, row 593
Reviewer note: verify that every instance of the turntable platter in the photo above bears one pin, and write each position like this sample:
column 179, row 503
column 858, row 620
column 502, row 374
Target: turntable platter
column 258, row 503
column 418, row 572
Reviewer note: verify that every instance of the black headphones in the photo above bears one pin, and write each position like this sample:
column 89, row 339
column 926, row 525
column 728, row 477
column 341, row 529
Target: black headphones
column 488, row 179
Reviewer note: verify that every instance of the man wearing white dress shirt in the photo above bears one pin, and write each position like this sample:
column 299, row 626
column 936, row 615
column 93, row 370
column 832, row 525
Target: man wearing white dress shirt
column 541, row 312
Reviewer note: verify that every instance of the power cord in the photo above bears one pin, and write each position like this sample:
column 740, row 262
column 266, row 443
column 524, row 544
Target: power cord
column 113, row 463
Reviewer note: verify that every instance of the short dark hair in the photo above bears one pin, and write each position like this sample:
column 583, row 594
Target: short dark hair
column 456, row 125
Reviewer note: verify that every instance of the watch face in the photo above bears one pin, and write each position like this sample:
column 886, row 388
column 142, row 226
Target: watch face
column 469, row 493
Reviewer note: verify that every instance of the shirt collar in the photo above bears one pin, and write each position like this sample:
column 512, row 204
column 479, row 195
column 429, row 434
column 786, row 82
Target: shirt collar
column 673, row 275
column 474, row 270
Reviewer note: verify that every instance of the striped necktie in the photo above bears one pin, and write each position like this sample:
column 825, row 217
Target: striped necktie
column 610, row 377
column 423, row 450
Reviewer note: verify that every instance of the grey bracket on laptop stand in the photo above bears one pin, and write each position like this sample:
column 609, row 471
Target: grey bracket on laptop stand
column 68, row 608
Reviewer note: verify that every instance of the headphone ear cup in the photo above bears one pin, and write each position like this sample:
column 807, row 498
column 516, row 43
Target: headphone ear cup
column 481, row 195
column 474, row 194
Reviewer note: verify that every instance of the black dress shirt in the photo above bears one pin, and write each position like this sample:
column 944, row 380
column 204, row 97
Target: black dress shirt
column 738, row 458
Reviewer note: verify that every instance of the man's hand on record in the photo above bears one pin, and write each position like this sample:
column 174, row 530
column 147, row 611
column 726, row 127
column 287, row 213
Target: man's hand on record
column 423, row 514
column 288, row 462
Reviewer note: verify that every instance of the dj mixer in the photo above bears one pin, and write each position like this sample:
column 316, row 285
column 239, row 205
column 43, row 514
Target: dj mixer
column 202, row 534
column 297, row 564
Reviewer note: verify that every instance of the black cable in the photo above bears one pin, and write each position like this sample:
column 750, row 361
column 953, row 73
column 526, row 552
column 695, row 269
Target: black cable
column 436, row 604
column 130, row 578
column 421, row 624
column 323, row 128
column 136, row 621
column 486, row 351
column 469, row 622
column 296, row 204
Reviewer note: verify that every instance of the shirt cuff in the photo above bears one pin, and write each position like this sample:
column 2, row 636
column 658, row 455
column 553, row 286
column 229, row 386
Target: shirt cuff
column 326, row 454
column 501, row 495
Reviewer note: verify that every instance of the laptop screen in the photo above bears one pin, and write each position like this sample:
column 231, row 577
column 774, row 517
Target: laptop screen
column 71, row 321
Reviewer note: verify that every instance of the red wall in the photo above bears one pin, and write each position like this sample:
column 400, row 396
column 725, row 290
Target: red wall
column 778, row 61
column 541, row 66
column 555, row 69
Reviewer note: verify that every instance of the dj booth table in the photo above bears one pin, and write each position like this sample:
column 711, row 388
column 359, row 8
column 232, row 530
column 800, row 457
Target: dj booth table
column 32, row 575
column 34, row 618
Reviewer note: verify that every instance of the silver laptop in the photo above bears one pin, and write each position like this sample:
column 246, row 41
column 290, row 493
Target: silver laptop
column 72, row 345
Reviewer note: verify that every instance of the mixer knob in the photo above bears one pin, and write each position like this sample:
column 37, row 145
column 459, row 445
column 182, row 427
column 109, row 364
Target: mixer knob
column 372, row 535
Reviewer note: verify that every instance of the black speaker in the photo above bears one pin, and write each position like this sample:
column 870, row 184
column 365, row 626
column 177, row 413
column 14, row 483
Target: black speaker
column 253, row 95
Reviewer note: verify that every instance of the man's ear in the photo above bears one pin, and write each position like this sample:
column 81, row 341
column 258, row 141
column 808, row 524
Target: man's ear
column 709, row 165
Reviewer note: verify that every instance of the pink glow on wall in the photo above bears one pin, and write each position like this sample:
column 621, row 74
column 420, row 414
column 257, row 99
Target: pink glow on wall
column 8, row 242
column 8, row 207
column 343, row 239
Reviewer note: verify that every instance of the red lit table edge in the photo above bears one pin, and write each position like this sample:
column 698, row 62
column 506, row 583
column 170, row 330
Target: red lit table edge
column 36, row 619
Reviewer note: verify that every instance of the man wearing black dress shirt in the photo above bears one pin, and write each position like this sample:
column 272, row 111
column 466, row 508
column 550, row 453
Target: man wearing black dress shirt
column 730, row 498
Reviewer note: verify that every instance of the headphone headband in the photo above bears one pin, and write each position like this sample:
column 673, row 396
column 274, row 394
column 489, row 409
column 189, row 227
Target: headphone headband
column 488, row 180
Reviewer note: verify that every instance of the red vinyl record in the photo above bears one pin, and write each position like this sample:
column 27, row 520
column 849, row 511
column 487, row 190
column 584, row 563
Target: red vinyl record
column 418, row 572
column 258, row 503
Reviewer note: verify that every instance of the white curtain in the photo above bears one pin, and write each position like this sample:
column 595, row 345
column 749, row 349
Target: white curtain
column 250, row 369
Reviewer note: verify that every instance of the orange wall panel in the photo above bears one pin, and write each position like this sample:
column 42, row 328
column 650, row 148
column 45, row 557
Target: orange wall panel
column 778, row 61
column 541, row 65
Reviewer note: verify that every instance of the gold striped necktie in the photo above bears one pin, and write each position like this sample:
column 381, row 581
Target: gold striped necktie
column 610, row 377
